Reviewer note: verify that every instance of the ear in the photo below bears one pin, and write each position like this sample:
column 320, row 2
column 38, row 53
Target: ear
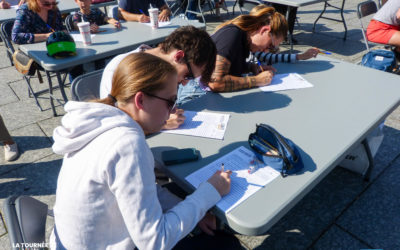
column 139, row 100
column 178, row 56
column 265, row 28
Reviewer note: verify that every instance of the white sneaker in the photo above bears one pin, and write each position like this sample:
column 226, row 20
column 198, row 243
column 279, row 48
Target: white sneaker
column 11, row 152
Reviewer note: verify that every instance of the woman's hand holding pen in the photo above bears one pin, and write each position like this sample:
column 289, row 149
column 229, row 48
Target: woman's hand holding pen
column 116, row 23
column 221, row 180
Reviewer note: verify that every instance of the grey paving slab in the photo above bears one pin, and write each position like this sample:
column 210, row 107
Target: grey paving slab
column 3, row 63
column 49, row 125
column 33, row 145
column 10, row 73
column 7, row 94
column 315, row 212
column 22, row 113
column 336, row 239
column 374, row 217
column 21, row 90
column 38, row 179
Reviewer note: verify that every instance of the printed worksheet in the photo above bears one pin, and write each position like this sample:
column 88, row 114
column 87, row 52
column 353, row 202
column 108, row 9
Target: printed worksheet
column 160, row 24
column 286, row 81
column 248, row 176
column 202, row 124
column 78, row 37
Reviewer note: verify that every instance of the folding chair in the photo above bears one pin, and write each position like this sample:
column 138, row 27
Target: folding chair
column 365, row 9
column 69, row 23
column 381, row 3
column 86, row 87
column 26, row 221
column 200, row 6
column 247, row 5
column 5, row 34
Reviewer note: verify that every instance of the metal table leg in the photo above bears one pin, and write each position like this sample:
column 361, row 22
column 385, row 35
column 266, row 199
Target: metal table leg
column 333, row 19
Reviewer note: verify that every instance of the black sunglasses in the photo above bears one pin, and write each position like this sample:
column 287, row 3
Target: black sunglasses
column 190, row 75
column 171, row 103
column 48, row 4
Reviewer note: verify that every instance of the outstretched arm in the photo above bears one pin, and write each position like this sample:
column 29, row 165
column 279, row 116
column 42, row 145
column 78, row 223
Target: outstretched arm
column 221, row 81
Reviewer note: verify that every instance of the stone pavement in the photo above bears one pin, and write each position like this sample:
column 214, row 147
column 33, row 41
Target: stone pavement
column 341, row 212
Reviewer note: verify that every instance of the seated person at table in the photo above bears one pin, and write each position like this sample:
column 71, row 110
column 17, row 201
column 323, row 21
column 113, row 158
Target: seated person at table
column 137, row 10
column 106, row 194
column 235, row 39
column 6, row 4
column 384, row 27
column 190, row 50
column 92, row 15
column 35, row 21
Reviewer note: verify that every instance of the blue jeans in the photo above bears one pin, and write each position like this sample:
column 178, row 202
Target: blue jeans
column 189, row 92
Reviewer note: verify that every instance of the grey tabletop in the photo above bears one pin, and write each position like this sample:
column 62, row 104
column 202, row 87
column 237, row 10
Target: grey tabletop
column 65, row 6
column 109, row 43
column 325, row 121
column 295, row 3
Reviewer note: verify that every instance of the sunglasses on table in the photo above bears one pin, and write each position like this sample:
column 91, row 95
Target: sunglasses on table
column 170, row 103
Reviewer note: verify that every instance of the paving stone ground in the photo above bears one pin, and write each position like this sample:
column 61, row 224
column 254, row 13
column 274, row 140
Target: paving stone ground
column 341, row 212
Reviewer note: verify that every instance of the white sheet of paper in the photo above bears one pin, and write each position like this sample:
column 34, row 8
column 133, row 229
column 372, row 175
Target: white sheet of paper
column 15, row 7
column 78, row 37
column 243, row 183
column 286, row 81
column 160, row 24
column 203, row 124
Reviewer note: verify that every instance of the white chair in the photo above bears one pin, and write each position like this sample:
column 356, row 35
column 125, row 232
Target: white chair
column 26, row 221
column 86, row 87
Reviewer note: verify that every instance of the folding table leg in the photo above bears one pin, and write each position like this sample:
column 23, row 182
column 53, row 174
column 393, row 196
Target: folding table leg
column 51, row 93
column 370, row 160
column 61, row 85
column 333, row 19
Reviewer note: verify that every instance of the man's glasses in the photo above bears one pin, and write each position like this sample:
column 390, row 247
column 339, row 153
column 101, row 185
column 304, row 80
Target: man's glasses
column 190, row 75
column 171, row 103
column 48, row 4
column 272, row 48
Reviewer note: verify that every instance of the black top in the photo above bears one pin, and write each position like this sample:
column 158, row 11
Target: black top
column 231, row 43
column 134, row 6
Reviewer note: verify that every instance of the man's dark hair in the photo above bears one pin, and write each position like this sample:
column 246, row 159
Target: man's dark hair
column 198, row 46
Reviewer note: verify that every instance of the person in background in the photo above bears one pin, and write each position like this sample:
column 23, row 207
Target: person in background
column 137, row 10
column 7, row 4
column 35, row 21
column 92, row 15
column 235, row 39
column 10, row 146
column 190, row 50
column 106, row 194
column 384, row 27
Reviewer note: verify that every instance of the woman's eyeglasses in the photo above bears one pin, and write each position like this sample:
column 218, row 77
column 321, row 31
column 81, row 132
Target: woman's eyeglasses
column 190, row 75
column 48, row 4
column 171, row 103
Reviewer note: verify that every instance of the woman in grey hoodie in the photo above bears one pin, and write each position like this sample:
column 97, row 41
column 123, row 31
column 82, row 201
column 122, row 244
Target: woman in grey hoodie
column 106, row 196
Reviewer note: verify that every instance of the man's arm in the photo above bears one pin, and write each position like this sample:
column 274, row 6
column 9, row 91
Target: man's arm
column 127, row 16
column 221, row 81
column 164, row 14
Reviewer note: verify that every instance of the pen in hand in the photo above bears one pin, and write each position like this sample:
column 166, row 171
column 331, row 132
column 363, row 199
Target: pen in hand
column 261, row 68
column 222, row 167
column 48, row 26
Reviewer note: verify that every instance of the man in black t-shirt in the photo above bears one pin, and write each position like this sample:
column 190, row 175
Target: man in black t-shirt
column 137, row 10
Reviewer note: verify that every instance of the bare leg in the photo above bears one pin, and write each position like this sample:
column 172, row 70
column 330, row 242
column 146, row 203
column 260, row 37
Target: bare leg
column 395, row 40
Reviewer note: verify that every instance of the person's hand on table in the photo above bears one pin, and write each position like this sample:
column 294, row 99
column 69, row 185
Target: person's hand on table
column 175, row 120
column 313, row 52
column 164, row 15
column 94, row 28
column 264, row 78
column 221, row 180
column 143, row 18
column 208, row 224
column 116, row 23
column 4, row 5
